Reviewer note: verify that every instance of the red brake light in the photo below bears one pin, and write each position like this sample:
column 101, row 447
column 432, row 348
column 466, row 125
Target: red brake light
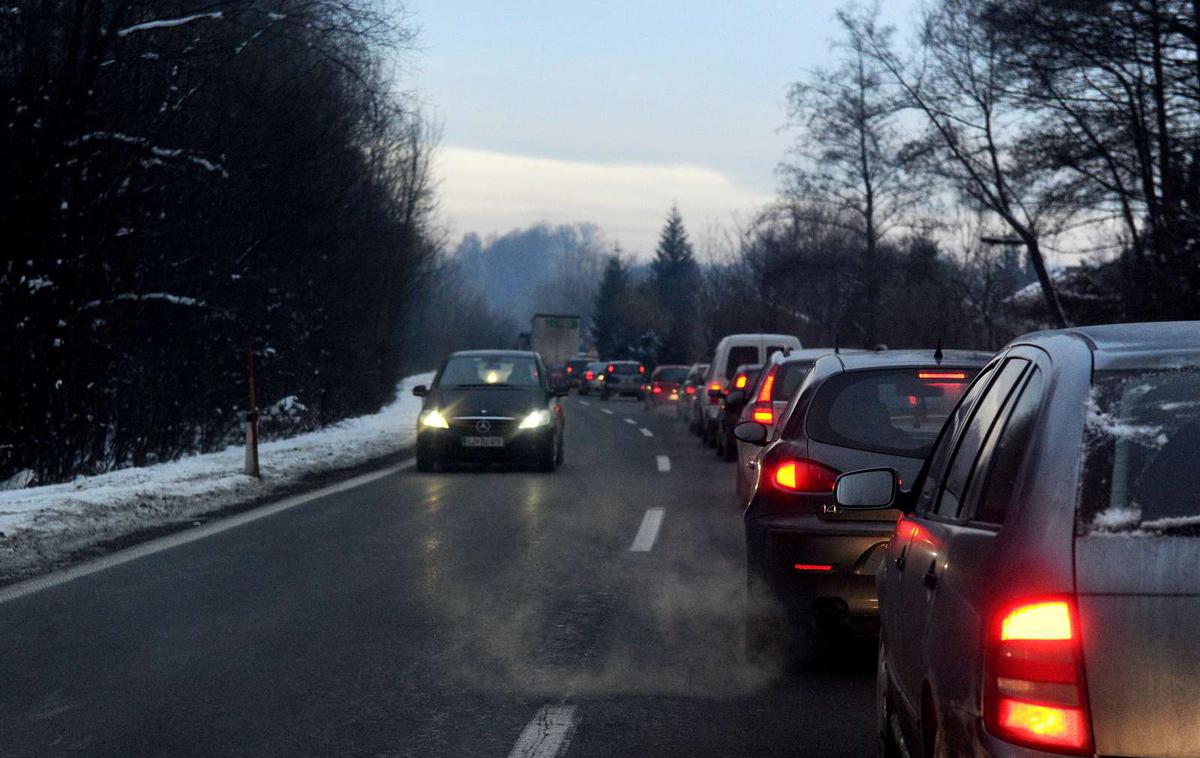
column 955, row 376
column 764, row 415
column 1034, row 682
column 691, row 390
column 641, row 369
column 611, row 368
column 570, row 369
column 740, row 382
column 768, row 386
column 804, row 476
column 590, row 375
column 657, row 390
column 813, row 567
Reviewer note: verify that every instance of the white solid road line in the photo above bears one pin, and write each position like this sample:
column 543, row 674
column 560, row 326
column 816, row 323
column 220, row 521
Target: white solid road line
column 648, row 531
column 28, row 587
column 548, row 734
column 605, row 410
column 629, row 420
column 646, row 432
column 664, row 463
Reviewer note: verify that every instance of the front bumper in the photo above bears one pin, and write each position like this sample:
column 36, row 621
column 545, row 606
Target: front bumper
column 823, row 568
column 525, row 445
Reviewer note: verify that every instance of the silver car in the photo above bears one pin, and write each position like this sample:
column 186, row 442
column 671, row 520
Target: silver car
column 1041, row 594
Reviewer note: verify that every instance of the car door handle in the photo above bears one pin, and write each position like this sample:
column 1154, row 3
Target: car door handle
column 931, row 577
column 902, row 558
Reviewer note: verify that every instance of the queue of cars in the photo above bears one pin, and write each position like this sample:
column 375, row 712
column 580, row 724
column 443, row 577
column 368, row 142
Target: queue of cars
column 1020, row 530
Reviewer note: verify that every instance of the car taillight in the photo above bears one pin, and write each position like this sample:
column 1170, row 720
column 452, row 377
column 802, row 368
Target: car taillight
column 641, row 369
column 611, row 368
column 691, row 390
column 590, row 375
column 657, row 390
column 1034, row 685
column 741, row 381
column 799, row 475
column 763, row 415
column 570, row 370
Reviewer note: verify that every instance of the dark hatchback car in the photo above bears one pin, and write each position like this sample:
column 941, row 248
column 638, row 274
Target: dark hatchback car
column 811, row 567
column 623, row 378
column 666, row 385
column 732, row 404
column 1042, row 593
column 489, row 406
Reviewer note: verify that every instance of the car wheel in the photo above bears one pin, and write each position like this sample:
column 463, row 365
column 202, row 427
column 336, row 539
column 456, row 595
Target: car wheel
column 888, row 748
column 558, row 456
column 730, row 447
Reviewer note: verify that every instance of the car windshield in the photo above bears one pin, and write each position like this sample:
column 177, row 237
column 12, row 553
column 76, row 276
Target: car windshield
column 890, row 411
column 1141, row 448
column 485, row 371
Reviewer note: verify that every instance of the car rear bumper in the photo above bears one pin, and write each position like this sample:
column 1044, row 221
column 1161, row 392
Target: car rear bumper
column 822, row 567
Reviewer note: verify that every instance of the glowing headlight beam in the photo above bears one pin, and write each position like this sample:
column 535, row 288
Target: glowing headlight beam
column 540, row 417
column 432, row 418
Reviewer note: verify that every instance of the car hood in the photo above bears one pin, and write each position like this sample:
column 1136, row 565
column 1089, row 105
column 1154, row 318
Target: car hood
column 487, row 401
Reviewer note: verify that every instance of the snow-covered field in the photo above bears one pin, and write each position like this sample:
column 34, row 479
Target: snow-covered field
column 41, row 525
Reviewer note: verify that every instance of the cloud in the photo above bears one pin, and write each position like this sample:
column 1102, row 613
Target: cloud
column 486, row 192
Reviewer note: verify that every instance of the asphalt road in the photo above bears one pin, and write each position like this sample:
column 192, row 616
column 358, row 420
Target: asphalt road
column 454, row 614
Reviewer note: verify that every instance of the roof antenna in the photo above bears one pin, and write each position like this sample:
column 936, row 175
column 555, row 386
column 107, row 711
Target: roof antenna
column 836, row 349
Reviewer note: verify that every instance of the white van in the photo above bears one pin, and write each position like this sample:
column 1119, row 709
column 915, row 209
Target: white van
column 731, row 352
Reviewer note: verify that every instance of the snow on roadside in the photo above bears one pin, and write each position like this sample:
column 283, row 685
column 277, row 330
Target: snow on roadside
column 42, row 524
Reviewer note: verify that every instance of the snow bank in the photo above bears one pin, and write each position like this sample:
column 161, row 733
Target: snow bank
column 41, row 525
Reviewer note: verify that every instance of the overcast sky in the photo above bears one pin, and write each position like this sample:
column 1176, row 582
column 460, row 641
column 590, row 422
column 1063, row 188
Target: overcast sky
column 574, row 110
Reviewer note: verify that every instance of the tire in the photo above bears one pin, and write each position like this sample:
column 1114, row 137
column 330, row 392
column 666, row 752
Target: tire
column 730, row 447
column 558, row 456
column 425, row 462
column 548, row 460
column 888, row 748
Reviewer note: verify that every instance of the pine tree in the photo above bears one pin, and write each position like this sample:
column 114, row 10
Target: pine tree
column 608, row 323
column 675, row 278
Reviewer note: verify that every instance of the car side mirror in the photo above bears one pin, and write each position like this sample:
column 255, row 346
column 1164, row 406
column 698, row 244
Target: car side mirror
column 421, row 390
column 737, row 397
column 751, row 432
column 868, row 490
column 715, row 392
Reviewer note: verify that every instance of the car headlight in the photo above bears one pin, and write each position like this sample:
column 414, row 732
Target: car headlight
column 432, row 418
column 540, row 417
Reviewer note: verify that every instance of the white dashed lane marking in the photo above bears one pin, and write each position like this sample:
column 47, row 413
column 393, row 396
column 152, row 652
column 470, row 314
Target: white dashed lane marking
column 585, row 403
column 605, row 410
column 548, row 734
column 664, row 463
column 646, row 432
column 648, row 532
column 629, row 420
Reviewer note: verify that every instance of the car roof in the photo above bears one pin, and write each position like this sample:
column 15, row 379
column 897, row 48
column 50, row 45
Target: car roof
column 810, row 354
column 625, row 361
column 749, row 367
column 513, row 353
column 1128, row 338
column 910, row 359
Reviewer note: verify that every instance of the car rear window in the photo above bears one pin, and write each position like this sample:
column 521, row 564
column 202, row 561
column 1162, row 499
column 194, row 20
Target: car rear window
column 672, row 374
column 891, row 411
column 625, row 368
column 740, row 356
column 1141, row 447
column 788, row 378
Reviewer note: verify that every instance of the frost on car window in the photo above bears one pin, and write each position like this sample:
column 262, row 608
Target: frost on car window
column 1142, row 445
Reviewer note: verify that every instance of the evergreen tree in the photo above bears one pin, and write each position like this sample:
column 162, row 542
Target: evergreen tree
column 675, row 278
column 608, row 323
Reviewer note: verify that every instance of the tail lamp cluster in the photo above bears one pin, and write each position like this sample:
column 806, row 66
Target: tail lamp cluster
column 764, row 412
column 803, row 476
column 1034, row 691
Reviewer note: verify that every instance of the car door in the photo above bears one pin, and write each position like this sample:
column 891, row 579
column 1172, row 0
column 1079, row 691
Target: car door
column 928, row 546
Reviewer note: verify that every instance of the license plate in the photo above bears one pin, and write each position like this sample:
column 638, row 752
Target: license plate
column 483, row 442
